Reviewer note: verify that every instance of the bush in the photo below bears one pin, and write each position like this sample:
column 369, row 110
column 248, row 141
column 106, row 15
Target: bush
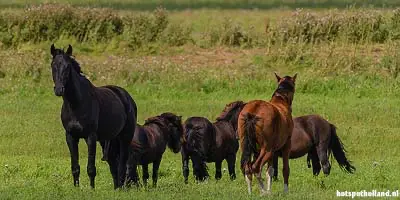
column 351, row 26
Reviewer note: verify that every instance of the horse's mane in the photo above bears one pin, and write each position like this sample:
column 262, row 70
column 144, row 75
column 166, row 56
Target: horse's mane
column 74, row 63
column 228, row 108
column 155, row 120
column 283, row 89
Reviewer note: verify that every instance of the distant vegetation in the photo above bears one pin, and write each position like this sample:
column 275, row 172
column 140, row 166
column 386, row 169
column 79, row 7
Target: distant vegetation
column 51, row 22
column 212, row 4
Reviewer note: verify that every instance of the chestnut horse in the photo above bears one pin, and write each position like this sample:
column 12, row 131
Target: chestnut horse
column 264, row 128
column 315, row 136
column 211, row 142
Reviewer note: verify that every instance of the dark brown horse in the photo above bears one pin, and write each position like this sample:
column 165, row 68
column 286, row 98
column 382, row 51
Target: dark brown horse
column 264, row 128
column 211, row 142
column 149, row 143
column 315, row 136
column 104, row 114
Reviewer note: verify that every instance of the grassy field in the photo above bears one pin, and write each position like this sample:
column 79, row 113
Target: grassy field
column 354, row 85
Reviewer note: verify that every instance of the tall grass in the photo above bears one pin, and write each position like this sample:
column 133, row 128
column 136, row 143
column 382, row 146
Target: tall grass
column 52, row 22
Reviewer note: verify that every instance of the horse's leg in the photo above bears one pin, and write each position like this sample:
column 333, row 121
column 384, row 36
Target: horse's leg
column 316, row 165
column 256, row 165
column 156, row 166
column 275, row 166
column 322, row 150
column 231, row 160
column 112, row 159
column 145, row 176
column 91, row 166
column 123, row 158
column 266, row 158
column 249, row 178
column 73, row 150
column 113, row 164
column 132, row 175
column 286, row 169
column 308, row 160
column 269, row 174
column 185, row 165
column 218, row 173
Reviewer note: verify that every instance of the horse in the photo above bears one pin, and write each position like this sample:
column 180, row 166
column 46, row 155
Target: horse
column 264, row 128
column 316, row 137
column 211, row 142
column 106, row 114
column 149, row 144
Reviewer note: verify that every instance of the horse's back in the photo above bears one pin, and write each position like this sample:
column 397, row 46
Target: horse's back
column 146, row 144
column 315, row 126
column 275, row 125
column 115, row 112
column 226, row 142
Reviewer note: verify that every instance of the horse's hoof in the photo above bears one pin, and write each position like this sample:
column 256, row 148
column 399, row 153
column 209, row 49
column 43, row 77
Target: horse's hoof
column 285, row 189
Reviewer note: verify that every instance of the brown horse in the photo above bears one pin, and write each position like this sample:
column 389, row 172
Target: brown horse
column 149, row 144
column 315, row 136
column 264, row 128
column 211, row 142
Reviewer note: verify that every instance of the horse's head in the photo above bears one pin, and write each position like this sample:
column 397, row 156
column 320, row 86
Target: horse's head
column 62, row 65
column 286, row 88
column 199, row 136
column 231, row 113
column 175, row 129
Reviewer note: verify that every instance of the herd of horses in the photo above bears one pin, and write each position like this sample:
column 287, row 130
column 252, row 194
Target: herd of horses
column 264, row 131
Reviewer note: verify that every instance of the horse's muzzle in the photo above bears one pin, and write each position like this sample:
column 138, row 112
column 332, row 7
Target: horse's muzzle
column 59, row 90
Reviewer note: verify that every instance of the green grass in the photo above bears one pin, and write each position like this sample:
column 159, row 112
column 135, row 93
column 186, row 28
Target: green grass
column 354, row 86
column 34, row 158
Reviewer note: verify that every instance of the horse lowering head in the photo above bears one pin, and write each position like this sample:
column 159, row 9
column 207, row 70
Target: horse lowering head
column 286, row 88
column 231, row 113
column 61, row 66
column 175, row 129
column 199, row 137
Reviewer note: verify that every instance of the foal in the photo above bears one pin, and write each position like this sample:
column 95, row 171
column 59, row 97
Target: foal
column 211, row 142
column 104, row 114
column 149, row 144
column 264, row 128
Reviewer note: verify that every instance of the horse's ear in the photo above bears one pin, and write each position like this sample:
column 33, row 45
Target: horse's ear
column 53, row 50
column 277, row 76
column 69, row 50
column 294, row 77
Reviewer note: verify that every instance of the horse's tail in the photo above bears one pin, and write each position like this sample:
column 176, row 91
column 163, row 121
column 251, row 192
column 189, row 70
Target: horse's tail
column 110, row 149
column 338, row 151
column 249, row 141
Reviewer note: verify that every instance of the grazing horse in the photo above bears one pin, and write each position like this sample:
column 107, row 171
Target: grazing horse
column 315, row 136
column 264, row 128
column 211, row 142
column 149, row 144
column 93, row 113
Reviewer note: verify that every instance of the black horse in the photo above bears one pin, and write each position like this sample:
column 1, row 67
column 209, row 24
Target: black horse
column 316, row 137
column 106, row 114
column 211, row 142
column 149, row 144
